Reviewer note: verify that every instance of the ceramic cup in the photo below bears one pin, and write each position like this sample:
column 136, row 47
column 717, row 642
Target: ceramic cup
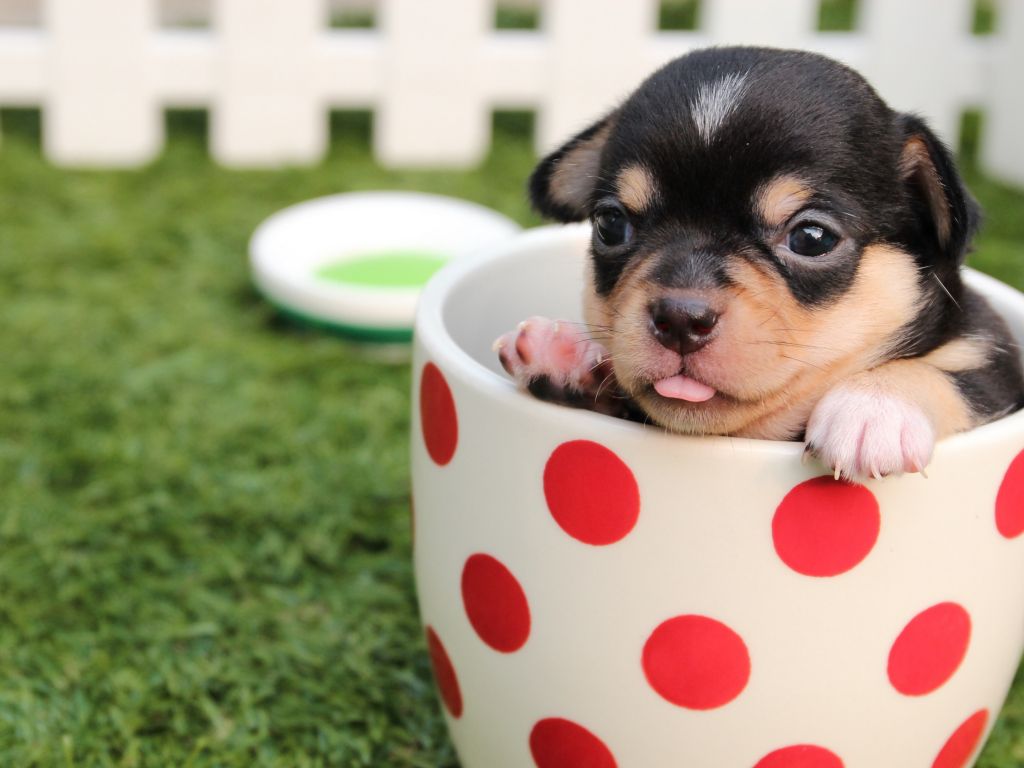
column 596, row 593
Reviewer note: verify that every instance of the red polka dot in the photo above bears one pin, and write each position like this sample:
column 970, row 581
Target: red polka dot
column 591, row 493
column 962, row 744
column 929, row 649
column 438, row 419
column 558, row 743
column 825, row 527
column 444, row 674
column 696, row 662
column 800, row 756
column 1010, row 500
column 495, row 603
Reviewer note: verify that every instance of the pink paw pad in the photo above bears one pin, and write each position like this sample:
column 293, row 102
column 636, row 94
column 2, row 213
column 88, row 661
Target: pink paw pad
column 557, row 350
column 860, row 432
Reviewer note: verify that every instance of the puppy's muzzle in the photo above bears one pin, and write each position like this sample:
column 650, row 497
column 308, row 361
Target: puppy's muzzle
column 682, row 324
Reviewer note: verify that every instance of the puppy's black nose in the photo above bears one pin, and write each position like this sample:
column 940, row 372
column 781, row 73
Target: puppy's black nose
column 683, row 325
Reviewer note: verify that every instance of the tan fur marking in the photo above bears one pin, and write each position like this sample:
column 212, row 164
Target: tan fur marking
column 915, row 160
column 780, row 198
column 595, row 309
column 576, row 173
column 960, row 354
column 634, row 345
column 835, row 342
column 636, row 188
column 915, row 381
column 773, row 358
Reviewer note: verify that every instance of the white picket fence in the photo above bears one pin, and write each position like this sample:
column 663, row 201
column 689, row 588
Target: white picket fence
column 432, row 71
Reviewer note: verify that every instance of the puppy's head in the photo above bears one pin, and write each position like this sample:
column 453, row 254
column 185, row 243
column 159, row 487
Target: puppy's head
column 763, row 224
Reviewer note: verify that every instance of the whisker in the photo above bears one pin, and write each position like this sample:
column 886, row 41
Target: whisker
column 793, row 344
column 798, row 360
column 589, row 325
column 602, row 384
column 772, row 316
column 754, row 294
column 944, row 288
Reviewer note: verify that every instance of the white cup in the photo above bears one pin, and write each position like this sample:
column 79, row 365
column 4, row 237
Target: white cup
column 597, row 593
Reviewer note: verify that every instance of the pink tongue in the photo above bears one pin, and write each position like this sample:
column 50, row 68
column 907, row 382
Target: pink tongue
column 684, row 388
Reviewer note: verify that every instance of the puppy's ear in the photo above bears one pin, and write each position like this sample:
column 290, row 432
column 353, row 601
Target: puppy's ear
column 562, row 184
column 951, row 215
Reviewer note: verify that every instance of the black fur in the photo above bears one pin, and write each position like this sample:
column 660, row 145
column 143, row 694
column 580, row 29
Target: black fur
column 993, row 389
column 803, row 114
column 540, row 180
column 800, row 113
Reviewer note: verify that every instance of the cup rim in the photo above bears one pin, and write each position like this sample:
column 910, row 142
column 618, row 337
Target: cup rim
column 432, row 334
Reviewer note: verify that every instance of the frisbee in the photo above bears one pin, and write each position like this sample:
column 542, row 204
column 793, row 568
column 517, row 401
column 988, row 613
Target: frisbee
column 355, row 263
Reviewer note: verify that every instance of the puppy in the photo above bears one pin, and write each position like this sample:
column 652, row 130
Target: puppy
column 775, row 254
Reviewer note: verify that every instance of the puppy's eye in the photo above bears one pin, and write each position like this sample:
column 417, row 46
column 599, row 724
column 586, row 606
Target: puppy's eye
column 811, row 240
column 612, row 226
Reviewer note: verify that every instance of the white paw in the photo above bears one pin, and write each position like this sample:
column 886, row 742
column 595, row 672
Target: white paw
column 860, row 432
column 559, row 352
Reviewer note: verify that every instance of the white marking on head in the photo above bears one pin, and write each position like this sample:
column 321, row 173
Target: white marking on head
column 715, row 101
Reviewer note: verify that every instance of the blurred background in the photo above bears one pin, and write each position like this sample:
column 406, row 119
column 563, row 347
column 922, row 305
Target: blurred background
column 204, row 529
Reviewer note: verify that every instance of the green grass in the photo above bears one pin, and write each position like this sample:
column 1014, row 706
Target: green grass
column 516, row 17
column 999, row 250
column 204, row 538
column 983, row 21
column 837, row 15
column 678, row 15
column 352, row 18
column 841, row 16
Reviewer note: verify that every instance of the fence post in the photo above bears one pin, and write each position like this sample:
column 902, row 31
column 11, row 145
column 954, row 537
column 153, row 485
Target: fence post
column 99, row 105
column 433, row 110
column 101, row 70
column 22, row 68
column 916, row 58
column 781, row 23
column 267, row 110
column 597, row 52
column 1002, row 154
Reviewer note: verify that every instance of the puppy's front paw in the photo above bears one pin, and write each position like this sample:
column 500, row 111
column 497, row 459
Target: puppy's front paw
column 555, row 359
column 863, row 431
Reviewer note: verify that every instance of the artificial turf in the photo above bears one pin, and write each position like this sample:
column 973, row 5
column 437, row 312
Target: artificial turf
column 204, row 539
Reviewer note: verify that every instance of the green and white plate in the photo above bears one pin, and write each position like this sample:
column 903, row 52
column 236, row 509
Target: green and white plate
column 355, row 263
